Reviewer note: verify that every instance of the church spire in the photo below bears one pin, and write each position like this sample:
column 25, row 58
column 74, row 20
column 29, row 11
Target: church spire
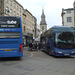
column 43, row 23
column 42, row 10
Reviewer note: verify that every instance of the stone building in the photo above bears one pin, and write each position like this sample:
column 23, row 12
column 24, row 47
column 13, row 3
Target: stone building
column 39, row 32
column 10, row 8
column 29, row 27
column 68, row 17
column 29, row 22
column 74, row 13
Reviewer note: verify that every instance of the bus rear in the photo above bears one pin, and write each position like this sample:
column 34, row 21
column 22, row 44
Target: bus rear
column 11, row 37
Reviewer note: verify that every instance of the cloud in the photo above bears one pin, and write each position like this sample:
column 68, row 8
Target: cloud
column 52, row 9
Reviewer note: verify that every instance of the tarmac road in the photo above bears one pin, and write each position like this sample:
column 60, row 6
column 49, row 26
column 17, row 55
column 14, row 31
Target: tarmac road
column 37, row 63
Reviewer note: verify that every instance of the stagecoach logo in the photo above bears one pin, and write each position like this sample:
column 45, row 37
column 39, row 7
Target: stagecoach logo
column 11, row 22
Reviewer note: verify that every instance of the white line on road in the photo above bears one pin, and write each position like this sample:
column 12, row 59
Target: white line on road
column 32, row 54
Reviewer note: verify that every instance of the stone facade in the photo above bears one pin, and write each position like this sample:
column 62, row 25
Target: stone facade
column 30, row 27
column 29, row 22
column 68, row 17
column 74, row 13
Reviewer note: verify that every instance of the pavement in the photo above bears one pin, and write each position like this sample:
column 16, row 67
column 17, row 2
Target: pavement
column 26, row 48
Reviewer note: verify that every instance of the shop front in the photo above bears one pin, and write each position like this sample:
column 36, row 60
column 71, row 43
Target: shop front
column 29, row 38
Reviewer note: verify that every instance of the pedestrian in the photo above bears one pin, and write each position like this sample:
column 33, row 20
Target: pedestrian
column 23, row 45
column 30, row 46
column 35, row 46
column 41, row 46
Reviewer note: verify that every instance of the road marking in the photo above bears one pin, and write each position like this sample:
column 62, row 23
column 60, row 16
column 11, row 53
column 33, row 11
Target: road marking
column 32, row 53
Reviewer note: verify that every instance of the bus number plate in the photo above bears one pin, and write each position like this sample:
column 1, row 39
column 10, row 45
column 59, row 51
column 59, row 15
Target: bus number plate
column 66, row 54
column 8, row 50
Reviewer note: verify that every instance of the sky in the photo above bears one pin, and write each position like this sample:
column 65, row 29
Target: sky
column 52, row 10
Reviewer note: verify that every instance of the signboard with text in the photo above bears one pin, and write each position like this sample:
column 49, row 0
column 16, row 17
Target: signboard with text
column 11, row 22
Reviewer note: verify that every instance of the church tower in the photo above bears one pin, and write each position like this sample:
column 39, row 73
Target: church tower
column 43, row 23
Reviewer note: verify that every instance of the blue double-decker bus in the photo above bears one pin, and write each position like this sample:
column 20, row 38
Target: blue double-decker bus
column 11, row 38
column 59, row 41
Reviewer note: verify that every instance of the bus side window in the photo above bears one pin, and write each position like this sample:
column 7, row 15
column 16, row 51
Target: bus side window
column 48, row 43
column 52, row 38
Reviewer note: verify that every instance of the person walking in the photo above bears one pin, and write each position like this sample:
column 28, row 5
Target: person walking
column 30, row 46
column 35, row 46
column 39, row 46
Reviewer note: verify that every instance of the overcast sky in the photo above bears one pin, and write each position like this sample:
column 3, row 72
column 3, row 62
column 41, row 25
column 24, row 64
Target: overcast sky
column 52, row 9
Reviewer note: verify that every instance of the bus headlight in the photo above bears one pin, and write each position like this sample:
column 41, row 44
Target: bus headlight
column 73, row 52
column 58, row 52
